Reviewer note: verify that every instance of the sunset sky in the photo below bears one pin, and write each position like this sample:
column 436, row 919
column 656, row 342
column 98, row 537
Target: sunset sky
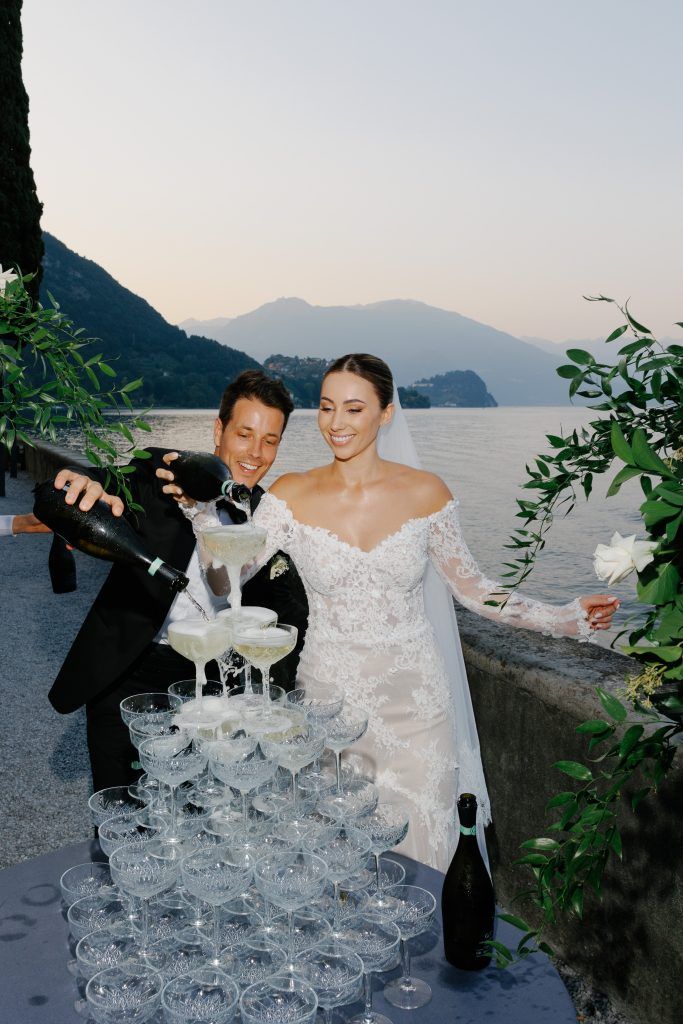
column 499, row 159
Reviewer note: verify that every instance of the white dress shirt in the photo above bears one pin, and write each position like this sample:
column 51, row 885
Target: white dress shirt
column 6, row 526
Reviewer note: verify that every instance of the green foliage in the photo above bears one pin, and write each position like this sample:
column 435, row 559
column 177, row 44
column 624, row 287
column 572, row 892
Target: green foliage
column 639, row 432
column 21, row 244
column 412, row 399
column 631, row 754
column 462, row 388
column 49, row 378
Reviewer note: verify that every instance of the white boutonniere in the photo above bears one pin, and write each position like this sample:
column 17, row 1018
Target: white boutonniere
column 280, row 565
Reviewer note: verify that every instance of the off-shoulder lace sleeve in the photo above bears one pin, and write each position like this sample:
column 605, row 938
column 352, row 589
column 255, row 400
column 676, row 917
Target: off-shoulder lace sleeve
column 453, row 561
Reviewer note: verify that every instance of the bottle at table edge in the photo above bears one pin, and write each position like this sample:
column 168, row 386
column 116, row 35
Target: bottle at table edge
column 467, row 901
column 101, row 534
column 62, row 567
column 205, row 477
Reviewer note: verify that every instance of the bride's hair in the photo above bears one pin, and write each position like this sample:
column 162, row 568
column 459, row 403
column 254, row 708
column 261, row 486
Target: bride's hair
column 370, row 368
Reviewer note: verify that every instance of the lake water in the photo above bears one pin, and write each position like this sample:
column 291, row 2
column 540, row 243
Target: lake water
column 481, row 454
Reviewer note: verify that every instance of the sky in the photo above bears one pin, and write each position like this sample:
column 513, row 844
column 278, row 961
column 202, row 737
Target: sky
column 501, row 159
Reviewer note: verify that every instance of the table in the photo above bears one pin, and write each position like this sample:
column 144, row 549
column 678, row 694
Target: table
column 37, row 988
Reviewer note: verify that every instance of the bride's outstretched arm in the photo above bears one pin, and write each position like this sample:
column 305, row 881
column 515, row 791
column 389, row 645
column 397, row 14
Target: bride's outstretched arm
column 453, row 561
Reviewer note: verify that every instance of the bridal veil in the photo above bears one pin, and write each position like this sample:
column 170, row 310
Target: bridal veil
column 395, row 443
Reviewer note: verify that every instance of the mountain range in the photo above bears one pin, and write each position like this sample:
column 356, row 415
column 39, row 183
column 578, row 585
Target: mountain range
column 416, row 340
column 190, row 370
column 177, row 370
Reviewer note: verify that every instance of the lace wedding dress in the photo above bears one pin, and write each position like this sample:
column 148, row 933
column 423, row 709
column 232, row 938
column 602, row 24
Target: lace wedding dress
column 368, row 635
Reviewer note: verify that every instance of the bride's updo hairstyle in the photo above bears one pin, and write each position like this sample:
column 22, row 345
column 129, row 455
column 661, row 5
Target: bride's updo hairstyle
column 372, row 369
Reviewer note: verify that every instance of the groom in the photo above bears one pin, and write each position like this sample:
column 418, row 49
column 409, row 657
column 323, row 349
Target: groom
column 122, row 647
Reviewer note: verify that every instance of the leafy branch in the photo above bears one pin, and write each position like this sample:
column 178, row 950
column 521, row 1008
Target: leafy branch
column 49, row 380
column 640, row 427
column 574, row 854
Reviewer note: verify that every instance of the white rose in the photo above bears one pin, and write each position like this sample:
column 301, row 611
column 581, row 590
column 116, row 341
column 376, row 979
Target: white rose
column 6, row 277
column 614, row 562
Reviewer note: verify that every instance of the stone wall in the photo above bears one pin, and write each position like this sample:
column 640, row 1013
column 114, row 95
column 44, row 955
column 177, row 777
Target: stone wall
column 529, row 694
column 43, row 460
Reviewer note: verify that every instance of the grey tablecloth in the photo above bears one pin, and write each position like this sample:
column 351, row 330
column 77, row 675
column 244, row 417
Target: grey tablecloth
column 37, row 988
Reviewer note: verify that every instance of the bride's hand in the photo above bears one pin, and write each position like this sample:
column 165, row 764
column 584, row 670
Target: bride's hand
column 599, row 608
column 172, row 488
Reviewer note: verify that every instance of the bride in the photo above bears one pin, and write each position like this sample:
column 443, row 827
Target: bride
column 366, row 535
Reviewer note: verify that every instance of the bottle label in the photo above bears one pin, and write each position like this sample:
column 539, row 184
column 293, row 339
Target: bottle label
column 471, row 831
column 156, row 564
column 226, row 487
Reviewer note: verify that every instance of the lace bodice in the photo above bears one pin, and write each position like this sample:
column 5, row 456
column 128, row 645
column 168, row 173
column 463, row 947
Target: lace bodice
column 369, row 637
column 376, row 596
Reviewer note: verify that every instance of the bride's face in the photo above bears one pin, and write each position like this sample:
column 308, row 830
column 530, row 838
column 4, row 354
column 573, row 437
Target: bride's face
column 350, row 414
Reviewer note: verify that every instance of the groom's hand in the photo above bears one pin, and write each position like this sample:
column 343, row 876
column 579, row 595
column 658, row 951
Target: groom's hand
column 88, row 490
column 171, row 487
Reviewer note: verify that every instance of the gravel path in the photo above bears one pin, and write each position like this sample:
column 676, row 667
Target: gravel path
column 45, row 770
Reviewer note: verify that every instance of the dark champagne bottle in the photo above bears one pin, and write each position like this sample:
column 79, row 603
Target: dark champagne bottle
column 205, row 477
column 101, row 534
column 468, row 905
column 62, row 566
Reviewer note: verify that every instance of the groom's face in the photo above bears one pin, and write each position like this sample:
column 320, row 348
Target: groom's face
column 249, row 441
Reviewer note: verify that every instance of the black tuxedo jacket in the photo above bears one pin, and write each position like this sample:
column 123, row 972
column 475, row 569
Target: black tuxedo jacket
column 132, row 605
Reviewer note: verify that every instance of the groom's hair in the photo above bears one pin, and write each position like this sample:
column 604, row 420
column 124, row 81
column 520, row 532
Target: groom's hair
column 257, row 385
column 372, row 369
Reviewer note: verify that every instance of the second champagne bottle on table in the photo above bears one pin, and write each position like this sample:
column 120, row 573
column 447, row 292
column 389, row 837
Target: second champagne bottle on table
column 205, row 477
column 467, row 902
column 101, row 534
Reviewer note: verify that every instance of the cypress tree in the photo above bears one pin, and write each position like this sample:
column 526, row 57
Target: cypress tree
column 21, row 242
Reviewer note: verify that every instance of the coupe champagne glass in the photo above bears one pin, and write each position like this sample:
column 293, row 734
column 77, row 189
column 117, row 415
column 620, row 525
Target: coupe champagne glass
column 334, row 973
column 213, row 876
column 200, row 642
column 309, row 929
column 356, row 798
column 105, row 948
column 92, row 913
column 238, row 923
column 186, row 689
column 120, row 831
column 344, row 849
column 241, row 764
column 386, row 827
column 155, row 706
column 342, row 731
column 128, row 993
column 290, row 881
column 91, row 879
column 297, row 747
column 233, row 547
column 179, row 953
column 279, row 1000
column 252, row 615
column 376, row 942
column 254, row 961
column 295, row 829
column 173, row 760
column 144, row 870
column 263, row 648
column 105, row 803
column 318, row 705
column 412, row 911
column 206, row 994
